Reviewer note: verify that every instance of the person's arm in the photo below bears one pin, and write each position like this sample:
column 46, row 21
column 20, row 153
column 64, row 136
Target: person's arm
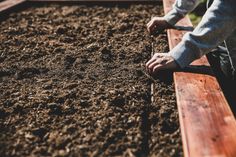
column 217, row 24
column 180, row 9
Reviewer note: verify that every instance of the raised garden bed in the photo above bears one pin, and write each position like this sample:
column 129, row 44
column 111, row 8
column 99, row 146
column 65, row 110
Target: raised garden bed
column 73, row 83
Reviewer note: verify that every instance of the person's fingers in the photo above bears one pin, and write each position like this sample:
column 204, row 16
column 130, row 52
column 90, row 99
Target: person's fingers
column 157, row 68
column 150, row 66
column 162, row 66
column 157, row 62
column 149, row 27
column 154, row 58
column 167, row 65
column 153, row 64
column 163, row 61
column 149, row 24
column 150, row 61
column 160, row 61
column 152, row 25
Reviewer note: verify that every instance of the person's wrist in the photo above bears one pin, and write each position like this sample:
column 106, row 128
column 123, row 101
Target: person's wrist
column 175, row 58
column 168, row 25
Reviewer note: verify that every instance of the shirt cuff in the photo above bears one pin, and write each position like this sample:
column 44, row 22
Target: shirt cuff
column 184, row 53
column 172, row 17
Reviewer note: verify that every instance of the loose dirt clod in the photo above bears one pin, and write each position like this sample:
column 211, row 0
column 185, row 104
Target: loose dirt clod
column 73, row 84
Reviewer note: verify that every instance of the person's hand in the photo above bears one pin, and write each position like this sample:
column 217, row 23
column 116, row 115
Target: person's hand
column 161, row 61
column 157, row 24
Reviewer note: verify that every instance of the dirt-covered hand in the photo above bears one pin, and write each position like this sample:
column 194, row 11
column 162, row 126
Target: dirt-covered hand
column 157, row 24
column 161, row 61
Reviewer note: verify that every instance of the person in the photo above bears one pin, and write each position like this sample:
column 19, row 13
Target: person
column 216, row 27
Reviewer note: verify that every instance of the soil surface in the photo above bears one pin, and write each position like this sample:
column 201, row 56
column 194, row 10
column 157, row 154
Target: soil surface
column 73, row 83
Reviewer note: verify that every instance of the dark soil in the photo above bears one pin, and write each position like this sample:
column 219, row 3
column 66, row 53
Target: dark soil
column 73, row 84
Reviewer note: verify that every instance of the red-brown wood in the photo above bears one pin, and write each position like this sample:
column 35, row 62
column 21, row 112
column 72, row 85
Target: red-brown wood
column 8, row 4
column 208, row 126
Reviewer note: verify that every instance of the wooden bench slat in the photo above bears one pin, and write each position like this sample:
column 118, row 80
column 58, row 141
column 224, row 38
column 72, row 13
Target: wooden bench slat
column 208, row 126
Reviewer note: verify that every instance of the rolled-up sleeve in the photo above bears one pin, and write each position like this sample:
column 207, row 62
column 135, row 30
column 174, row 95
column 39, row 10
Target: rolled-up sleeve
column 216, row 25
column 180, row 9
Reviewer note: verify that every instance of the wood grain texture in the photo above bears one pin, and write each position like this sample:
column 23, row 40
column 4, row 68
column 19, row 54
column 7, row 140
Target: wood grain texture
column 8, row 4
column 208, row 126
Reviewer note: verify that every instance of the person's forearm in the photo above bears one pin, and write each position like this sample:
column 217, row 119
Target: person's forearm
column 217, row 24
column 180, row 9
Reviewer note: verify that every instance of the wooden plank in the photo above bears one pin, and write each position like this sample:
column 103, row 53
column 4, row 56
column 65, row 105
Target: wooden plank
column 8, row 4
column 208, row 126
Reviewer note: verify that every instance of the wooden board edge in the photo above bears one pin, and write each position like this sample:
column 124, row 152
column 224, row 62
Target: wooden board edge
column 203, row 61
column 9, row 4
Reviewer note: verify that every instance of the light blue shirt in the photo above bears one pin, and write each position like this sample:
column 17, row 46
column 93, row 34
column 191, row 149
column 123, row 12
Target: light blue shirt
column 218, row 24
